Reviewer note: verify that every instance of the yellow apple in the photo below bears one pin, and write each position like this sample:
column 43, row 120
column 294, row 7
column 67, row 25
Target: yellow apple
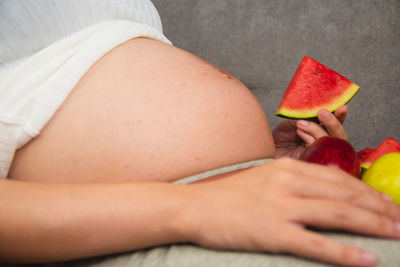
column 384, row 175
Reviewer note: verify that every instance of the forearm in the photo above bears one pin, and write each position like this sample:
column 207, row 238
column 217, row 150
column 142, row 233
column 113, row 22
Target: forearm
column 53, row 222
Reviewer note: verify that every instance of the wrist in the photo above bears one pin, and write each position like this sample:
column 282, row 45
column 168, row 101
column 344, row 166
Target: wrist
column 188, row 217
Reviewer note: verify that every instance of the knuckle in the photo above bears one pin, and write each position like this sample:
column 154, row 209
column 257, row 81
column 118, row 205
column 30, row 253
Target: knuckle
column 353, row 197
column 285, row 180
column 334, row 123
column 388, row 208
column 317, row 129
column 375, row 193
column 340, row 213
column 346, row 254
column 384, row 226
column 377, row 198
column 287, row 177
column 341, row 177
column 394, row 211
column 316, row 243
column 340, row 216
column 285, row 171
column 284, row 164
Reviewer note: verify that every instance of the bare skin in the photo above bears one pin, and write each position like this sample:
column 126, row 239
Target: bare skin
column 151, row 112
column 156, row 115
column 37, row 228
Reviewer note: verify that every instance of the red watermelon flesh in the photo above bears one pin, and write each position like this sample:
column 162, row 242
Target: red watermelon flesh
column 389, row 145
column 313, row 87
column 362, row 155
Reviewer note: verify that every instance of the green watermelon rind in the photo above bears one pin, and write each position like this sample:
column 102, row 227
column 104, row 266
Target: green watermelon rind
column 362, row 159
column 363, row 170
column 344, row 98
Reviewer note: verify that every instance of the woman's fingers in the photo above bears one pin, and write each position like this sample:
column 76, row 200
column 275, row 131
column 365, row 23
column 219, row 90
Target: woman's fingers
column 367, row 198
column 308, row 139
column 318, row 181
column 311, row 245
column 329, row 214
column 310, row 128
column 313, row 195
column 332, row 123
column 341, row 113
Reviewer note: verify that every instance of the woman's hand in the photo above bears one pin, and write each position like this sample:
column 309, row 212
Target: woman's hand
column 293, row 136
column 267, row 208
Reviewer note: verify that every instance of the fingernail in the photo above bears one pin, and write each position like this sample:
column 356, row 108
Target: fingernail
column 325, row 114
column 303, row 123
column 387, row 198
column 367, row 257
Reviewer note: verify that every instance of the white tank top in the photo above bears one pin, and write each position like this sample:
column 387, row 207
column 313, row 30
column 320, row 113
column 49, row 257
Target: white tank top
column 27, row 26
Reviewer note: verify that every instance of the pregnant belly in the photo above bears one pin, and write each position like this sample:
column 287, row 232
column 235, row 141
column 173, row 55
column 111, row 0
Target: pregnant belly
column 147, row 111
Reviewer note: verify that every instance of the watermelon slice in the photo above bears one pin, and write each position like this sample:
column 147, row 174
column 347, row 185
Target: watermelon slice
column 387, row 146
column 313, row 87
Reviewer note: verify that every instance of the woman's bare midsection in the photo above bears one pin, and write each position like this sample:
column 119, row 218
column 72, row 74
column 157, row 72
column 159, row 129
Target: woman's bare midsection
column 147, row 111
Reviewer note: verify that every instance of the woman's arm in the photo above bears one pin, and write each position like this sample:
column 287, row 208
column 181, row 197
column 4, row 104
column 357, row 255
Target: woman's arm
column 52, row 222
column 265, row 208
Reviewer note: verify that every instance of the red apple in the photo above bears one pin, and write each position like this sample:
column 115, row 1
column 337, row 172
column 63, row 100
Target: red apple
column 332, row 151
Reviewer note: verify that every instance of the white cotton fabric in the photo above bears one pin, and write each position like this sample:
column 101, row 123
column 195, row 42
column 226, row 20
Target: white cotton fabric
column 46, row 46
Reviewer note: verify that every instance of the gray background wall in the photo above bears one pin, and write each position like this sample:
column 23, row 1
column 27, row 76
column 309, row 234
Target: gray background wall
column 262, row 42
